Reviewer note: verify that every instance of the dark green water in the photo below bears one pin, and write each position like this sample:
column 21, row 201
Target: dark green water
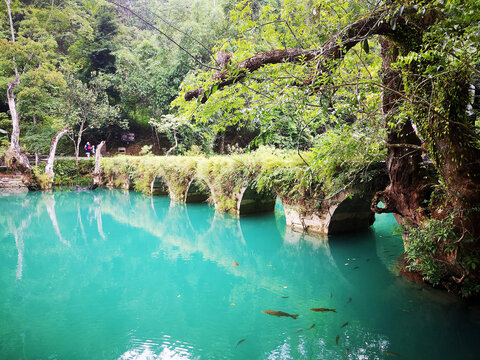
column 114, row 275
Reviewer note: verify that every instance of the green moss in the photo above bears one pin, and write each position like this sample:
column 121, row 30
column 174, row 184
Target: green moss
column 295, row 177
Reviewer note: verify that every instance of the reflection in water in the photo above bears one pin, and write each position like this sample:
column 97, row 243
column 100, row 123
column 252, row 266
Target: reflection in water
column 18, row 235
column 50, row 205
column 164, row 285
column 80, row 222
column 98, row 215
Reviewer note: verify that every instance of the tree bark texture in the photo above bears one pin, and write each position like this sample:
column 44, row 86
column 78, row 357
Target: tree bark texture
column 408, row 188
column 53, row 149
column 97, row 175
column 21, row 161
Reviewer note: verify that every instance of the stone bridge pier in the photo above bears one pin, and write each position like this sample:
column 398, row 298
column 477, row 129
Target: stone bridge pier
column 346, row 212
column 244, row 200
column 247, row 200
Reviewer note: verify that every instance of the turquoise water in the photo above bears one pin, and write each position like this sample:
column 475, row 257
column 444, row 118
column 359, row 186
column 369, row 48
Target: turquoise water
column 117, row 275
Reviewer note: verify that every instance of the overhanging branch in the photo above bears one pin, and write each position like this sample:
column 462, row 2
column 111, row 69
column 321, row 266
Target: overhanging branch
column 333, row 49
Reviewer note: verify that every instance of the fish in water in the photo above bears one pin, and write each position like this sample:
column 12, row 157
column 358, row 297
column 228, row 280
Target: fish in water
column 368, row 260
column 299, row 330
column 279, row 313
column 355, row 268
column 390, row 353
column 235, row 263
column 349, row 300
column 311, row 327
column 344, row 325
column 323, row 310
column 284, row 297
column 240, row 341
column 331, row 295
column 336, row 339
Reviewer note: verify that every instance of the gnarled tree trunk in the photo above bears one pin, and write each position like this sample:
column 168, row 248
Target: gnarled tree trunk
column 408, row 189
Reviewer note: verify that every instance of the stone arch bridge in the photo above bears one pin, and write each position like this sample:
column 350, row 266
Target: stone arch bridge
column 347, row 210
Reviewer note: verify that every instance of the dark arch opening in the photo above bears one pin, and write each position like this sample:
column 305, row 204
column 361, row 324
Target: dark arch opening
column 159, row 186
column 254, row 202
column 198, row 192
column 352, row 214
column 131, row 181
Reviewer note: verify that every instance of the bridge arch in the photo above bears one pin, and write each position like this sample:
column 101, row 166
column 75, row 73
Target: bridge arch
column 159, row 186
column 351, row 212
column 198, row 191
column 348, row 211
column 251, row 201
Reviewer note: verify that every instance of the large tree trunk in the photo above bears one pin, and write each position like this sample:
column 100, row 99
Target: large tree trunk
column 407, row 191
column 456, row 154
column 51, row 157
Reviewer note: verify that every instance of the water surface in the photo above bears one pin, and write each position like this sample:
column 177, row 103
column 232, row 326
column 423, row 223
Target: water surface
column 117, row 275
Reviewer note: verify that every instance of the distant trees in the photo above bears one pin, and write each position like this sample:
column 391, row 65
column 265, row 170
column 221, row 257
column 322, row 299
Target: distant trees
column 90, row 38
column 87, row 107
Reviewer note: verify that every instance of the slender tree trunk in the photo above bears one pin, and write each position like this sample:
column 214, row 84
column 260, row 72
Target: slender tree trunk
column 14, row 142
column 174, row 146
column 51, row 156
column 20, row 158
column 77, row 151
column 79, row 140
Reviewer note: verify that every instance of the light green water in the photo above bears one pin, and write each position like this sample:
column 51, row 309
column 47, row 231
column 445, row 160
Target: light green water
column 117, row 275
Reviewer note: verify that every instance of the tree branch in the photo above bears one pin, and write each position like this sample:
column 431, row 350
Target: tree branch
column 334, row 49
